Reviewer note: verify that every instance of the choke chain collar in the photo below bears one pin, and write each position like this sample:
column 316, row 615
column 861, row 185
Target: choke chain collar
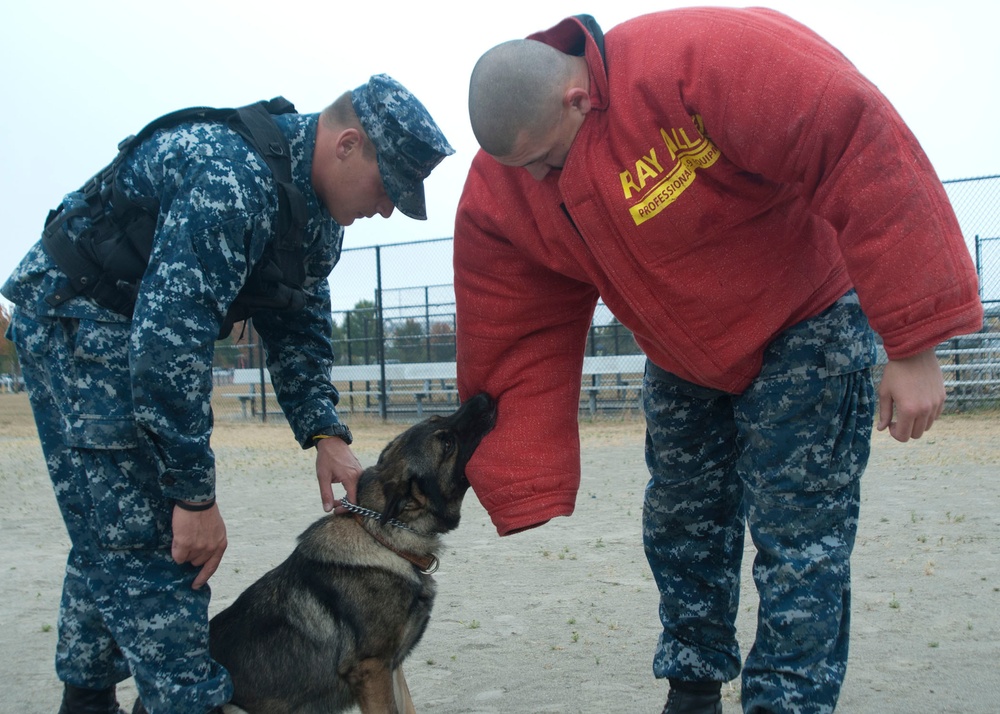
column 427, row 564
column 369, row 513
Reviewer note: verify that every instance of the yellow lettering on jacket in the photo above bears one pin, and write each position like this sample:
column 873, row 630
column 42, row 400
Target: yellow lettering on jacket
column 628, row 183
column 646, row 168
column 659, row 186
column 677, row 141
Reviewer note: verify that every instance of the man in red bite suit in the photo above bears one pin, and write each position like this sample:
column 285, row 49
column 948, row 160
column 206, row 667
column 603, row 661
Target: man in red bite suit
column 750, row 206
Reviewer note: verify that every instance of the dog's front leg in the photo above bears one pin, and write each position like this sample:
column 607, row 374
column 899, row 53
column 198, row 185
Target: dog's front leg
column 401, row 693
column 375, row 688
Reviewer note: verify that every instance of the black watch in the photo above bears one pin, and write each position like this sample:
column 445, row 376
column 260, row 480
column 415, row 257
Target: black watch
column 341, row 431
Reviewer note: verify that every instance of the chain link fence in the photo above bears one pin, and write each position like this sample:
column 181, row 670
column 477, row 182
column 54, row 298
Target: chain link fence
column 394, row 333
column 971, row 363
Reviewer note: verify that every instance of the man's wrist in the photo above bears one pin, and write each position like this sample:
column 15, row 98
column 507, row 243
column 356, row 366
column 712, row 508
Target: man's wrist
column 339, row 431
column 192, row 506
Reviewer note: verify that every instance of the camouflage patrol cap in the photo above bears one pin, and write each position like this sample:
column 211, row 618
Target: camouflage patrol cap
column 408, row 142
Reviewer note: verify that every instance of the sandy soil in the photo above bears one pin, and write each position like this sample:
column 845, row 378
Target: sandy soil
column 563, row 618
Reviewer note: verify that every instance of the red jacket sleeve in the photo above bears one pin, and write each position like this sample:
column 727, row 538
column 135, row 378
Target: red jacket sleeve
column 521, row 332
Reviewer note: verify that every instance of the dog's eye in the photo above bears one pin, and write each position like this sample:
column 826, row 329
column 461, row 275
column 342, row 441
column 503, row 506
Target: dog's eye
column 447, row 442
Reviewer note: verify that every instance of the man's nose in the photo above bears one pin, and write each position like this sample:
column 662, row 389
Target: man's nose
column 385, row 207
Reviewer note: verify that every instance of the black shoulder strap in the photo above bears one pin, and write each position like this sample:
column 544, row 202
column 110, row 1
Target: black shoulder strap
column 255, row 124
column 278, row 105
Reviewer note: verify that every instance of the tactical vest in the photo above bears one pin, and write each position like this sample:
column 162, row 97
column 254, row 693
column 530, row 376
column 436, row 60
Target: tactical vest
column 108, row 260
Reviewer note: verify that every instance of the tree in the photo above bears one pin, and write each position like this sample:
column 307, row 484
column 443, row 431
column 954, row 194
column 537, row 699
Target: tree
column 408, row 341
column 338, row 337
column 442, row 342
column 358, row 339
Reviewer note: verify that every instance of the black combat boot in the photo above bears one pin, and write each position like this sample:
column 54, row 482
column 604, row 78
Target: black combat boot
column 77, row 700
column 694, row 698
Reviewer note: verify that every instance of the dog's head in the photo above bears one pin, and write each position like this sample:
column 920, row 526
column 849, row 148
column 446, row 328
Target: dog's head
column 420, row 476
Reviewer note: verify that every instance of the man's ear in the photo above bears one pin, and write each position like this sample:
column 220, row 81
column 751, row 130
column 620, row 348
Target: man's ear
column 348, row 141
column 577, row 98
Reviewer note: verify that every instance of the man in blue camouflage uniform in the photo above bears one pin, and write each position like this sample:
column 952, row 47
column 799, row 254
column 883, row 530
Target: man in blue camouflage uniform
column 123, row 406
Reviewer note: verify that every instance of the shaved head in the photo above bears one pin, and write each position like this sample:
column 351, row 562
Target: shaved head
column 518, row 86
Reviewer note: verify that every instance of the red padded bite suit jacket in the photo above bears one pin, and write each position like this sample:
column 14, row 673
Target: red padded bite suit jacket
column 734, row 176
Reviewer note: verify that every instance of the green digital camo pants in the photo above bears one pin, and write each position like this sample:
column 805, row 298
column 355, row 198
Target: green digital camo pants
column 127, row 608
column 783, row 459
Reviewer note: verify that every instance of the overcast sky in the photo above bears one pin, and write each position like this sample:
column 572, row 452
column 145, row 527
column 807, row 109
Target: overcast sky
column 78, row 76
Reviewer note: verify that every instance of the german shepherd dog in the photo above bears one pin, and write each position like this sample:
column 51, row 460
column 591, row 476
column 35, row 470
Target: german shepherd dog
column 330, row 626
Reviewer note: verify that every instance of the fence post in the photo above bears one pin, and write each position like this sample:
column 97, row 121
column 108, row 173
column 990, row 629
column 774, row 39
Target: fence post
column 594, row 379
column 380, row 332
column 350, row 358
column 979, row 267
column 263, row 383
column 427, row 319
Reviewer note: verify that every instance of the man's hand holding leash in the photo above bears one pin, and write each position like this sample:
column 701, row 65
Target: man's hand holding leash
column 336, row 463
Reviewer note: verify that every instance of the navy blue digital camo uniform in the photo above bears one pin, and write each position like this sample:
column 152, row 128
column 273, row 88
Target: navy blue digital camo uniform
column 123, row 406
column 720, row 460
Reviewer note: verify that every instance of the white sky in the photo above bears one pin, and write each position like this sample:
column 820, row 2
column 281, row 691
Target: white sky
column 76, row 77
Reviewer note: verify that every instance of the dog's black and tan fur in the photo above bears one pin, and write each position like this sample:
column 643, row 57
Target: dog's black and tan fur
column 330, row 626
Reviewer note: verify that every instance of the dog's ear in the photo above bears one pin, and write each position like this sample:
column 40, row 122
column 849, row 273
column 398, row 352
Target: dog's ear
column 397, row 495
column 406, row 494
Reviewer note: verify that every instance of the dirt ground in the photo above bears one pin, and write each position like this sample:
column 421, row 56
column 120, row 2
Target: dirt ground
column 563, row 618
